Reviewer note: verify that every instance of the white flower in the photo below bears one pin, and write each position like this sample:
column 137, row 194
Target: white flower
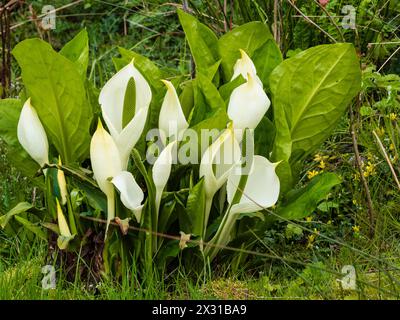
column 245, row 66
column 131, row 194
column 112, row 98
column 162, row 171
column 261, row 191
column 247, row 105
column 31, row 134
column 172, row 121
column 216, row 164
column 218, row 160
column 106, row 164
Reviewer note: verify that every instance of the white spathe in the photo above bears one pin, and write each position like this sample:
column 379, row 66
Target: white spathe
column 244, row 66
column 31, row 134
column 172, row 121
column 111, row 99
column 221, row 155
column 261, row 190
column 131, row 194
column 248, row 104
column 106, row 164
column 162, row 170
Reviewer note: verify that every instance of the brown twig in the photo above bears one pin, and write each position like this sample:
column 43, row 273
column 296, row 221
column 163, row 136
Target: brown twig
column 359, row 165
column 310, row 21
column 332, row 20
column 275, row 28
column 185, row 7
column 387, row 60
column 387, row 158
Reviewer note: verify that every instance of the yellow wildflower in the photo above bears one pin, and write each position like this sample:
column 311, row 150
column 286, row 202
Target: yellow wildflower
column 317, row 157
column 369, row 169
column 393, row 116
column 309, row 219
column 322, row 164
column 391, row 147
column 356, row 229
column 312, row 174
column 311, row 238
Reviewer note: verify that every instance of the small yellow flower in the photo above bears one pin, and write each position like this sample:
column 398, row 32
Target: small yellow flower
column 317, row 157
column 393, row 116
column 355, row 202
column 309, row 219
column 391, row 147
column 312, row 174
column 322, row 164
column 311, row 238
column 356, row 229
column 369, row 169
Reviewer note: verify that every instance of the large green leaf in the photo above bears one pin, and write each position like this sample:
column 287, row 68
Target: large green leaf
column 10, row 110
column 207, row 100
column 264, row 136
column 202, row 41
column 302, row 202
column 266, row 59
column 186, row 97
column 77, row 50
column 248, row 37
column 311, row 91
column 58, row 94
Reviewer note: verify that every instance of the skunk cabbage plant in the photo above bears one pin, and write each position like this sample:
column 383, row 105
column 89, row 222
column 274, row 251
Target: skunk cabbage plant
column 225, row 161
